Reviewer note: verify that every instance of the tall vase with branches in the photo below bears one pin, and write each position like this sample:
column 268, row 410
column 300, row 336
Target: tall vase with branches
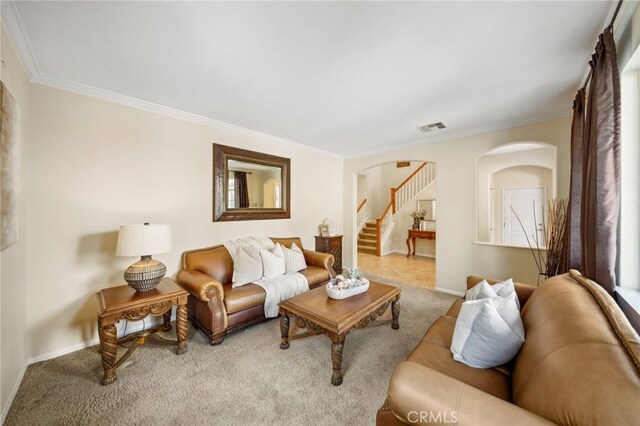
column 548, row 261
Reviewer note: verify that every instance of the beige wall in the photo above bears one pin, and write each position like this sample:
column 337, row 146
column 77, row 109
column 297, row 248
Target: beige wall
column 13, row 260
column 371, row 191
column 456, row 175
column 97, row 165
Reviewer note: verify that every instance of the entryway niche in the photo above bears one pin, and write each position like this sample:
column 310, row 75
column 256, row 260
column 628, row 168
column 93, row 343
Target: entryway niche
column 514, row 185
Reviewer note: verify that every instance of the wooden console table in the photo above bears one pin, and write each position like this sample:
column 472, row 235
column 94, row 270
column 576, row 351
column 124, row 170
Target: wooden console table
column 412, row 234
column 124, row 302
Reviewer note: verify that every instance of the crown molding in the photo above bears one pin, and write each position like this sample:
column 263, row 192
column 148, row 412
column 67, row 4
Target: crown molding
column 17, row 34
column 94, row 92
column 15, row 30
column 471, row 131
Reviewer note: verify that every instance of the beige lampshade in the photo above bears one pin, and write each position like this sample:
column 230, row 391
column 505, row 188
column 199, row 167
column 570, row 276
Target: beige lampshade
column 143, row 240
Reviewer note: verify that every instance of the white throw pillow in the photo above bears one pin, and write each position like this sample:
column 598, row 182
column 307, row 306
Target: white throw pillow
column 488, row 332
column 483, row 290
column 294, row 258
column 247, row 267
column 273, row 262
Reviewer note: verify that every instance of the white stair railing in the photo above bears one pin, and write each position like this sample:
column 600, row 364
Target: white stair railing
column 384, row 226
column 362, row 218
column 405, row 193
column 415, row 184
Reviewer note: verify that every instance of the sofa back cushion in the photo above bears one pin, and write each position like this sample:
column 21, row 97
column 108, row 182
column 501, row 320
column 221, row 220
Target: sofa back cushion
column 217, row 263
column 213, row 261
column 573, row 367
column 286, row 242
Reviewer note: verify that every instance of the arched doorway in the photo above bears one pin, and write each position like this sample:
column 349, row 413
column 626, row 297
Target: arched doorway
column 387, row 195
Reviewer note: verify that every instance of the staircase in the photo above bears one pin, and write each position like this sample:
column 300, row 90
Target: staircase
column 368, row 237
column 375, row 234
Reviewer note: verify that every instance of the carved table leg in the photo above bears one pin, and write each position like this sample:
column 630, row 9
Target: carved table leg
column 166, row 318
column 408, row 246
column 108, row 350
column 284, row 332
column 337, row 347
column 395, row 312
column 181, row 328
column 413, row 243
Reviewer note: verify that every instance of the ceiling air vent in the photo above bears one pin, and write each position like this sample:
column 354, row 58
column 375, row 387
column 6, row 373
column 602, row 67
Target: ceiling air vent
column 431, row 127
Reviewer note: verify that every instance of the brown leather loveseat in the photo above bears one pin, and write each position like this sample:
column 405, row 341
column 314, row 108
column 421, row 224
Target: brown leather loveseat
column 579, row 365
column 215, row 307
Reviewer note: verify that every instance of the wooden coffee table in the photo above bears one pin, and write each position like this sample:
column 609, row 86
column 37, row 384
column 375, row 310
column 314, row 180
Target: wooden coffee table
column 319, row 314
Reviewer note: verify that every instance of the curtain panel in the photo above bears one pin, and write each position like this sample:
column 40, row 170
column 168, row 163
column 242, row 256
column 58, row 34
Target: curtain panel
column 572, row 256
column 594, row 202
column 241, row 189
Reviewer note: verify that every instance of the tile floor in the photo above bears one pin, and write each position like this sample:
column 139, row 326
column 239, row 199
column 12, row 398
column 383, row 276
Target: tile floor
column 415, row 270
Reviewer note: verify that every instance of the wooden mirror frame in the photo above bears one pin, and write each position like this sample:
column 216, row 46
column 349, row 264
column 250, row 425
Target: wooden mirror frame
column 221, row 156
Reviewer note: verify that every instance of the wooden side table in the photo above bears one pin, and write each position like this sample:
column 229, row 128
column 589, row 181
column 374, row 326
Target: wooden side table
column 331, row 245
column 124, row 302
column 412, row 234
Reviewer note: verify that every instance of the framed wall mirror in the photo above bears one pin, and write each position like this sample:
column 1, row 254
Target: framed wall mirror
column 429, row 206
column 249, row 185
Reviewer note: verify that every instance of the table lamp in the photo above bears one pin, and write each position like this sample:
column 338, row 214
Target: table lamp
column 144, row 241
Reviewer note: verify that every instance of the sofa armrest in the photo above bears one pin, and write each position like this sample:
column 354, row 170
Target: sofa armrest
column 522, row 290
column 419, row 394
column 320, row 260
column 199, row 284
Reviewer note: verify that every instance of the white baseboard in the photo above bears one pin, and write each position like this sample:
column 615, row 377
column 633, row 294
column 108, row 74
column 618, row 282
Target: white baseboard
column 132, row 327
column 448, row 291
column 64, row 351
column 12, row 395
column 431, row 256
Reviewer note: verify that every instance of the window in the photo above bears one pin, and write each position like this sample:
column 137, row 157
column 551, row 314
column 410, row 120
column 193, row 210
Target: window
column 231, row 195
column 629, row 256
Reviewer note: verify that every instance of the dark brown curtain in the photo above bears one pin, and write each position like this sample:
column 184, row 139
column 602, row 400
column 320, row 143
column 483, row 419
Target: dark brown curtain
column 241, row 189
column 572, row 256
column 595, row 173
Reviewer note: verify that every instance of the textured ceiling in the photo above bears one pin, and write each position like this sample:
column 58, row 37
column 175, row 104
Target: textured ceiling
column 349, row 78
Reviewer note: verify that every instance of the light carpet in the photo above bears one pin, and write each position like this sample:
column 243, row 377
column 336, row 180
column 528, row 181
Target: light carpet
column 247, row 380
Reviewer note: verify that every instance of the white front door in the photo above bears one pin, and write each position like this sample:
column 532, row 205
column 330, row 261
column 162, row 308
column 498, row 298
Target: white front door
column 528, row 204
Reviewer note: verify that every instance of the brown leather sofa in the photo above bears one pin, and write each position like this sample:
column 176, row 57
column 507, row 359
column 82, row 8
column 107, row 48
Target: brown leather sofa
column 215, row 307
column 579, row 365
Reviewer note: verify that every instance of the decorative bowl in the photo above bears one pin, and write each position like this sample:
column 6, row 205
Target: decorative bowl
column 335, row 293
